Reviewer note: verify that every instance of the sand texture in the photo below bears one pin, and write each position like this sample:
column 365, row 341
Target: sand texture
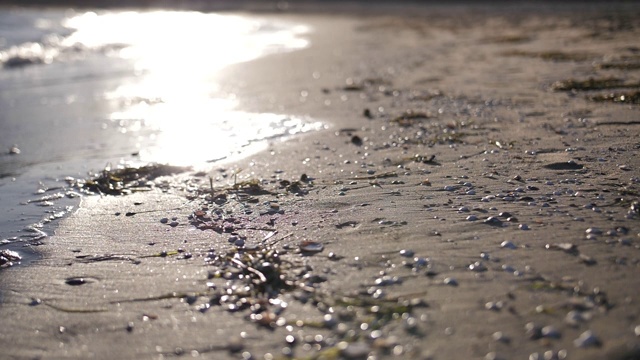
column 475, row 196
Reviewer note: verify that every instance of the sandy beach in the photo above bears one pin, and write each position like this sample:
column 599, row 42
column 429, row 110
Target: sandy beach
column 474, row 196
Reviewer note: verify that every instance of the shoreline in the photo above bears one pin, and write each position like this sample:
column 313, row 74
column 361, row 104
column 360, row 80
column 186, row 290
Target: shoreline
column 492, row 139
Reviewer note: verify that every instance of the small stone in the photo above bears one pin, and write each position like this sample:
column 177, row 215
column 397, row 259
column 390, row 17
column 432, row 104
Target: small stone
column 500, row 336
column 533, row 331
column 523, row 227
column 494, row 305
column 550, row 331
column 406, row 253
column 593, row 231
column 450, row 281
column 164, row 220
column 472, row 218
column 587, row 339
column 637, row 330
column 356, row 350
column 477, row 266
column 493, row 221
column 508, row 245
column 174, row 224
column 574, row 318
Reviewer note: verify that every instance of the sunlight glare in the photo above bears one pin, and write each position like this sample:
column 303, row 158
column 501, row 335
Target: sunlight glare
column 172, row 104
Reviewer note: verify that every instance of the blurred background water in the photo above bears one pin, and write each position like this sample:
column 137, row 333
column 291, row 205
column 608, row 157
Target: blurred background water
column 82, row 89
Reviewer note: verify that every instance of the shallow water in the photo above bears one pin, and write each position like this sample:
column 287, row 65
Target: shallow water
column 80, row 90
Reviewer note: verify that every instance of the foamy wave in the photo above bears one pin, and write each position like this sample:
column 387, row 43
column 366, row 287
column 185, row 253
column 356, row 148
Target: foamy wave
column 53, row 48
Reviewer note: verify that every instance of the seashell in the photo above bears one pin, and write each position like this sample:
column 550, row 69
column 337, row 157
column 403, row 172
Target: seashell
column 587, row 339
column 311, row 246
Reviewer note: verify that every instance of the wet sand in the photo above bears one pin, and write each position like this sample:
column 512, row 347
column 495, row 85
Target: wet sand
column 468, row 207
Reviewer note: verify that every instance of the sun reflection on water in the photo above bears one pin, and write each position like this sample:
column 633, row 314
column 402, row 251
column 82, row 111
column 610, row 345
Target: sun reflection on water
column 171, row 106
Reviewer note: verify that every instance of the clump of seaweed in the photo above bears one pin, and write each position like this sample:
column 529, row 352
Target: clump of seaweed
column 592, row 84
column 253, row 274
column 124, row 180
column 619, row 65
column 551, row 55
column 618, row 97
column 411, row 117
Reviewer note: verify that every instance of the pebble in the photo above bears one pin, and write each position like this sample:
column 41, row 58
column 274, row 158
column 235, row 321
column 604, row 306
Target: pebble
column 550, row 331
column 594, row 231
column 472, row 218
column 174, row 224
column 164, row 220
column 574, row 318
column 508, row 245
column 533, row 331
column 523, row 227
column 587, row 339
column 494, row 221
column 450, row 281
column 356, row 350
column 637, row 330
column 500, row 336
column 477, row 266
column 406, row 253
